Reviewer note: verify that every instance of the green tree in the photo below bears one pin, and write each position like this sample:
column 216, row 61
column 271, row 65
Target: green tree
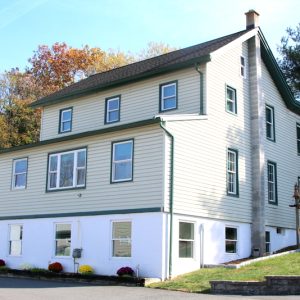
column 290, row 61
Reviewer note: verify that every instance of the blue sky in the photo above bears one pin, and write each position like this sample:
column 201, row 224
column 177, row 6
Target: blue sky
column 128, row 25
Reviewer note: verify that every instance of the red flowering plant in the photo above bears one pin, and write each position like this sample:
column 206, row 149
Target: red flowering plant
column 127, row 271
column 55, row 267
column 2, row 263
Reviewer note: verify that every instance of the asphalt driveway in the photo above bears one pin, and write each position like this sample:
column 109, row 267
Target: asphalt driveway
column 27, row 289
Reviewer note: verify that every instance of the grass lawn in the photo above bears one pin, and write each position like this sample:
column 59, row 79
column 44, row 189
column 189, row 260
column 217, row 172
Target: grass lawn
column 198, row 281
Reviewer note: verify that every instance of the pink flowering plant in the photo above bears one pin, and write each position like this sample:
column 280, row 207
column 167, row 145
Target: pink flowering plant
column 2, row 263
column 125, row 271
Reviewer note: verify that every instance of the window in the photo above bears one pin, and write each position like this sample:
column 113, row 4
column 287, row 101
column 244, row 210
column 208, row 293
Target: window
column 122, row 161
column 272, row 183
column 231, row 240
column 168, row 96
column 121, row 239
column 270, row 125
column 19, row 178
column 15, row 240
column 67, row 170
column 112, row 109
column 243, row 66
column 298, row 139
column 268, row 242
column 232, row 172
column 65, row 120
column 62, row 239
column 186, row 240
column 231, row 105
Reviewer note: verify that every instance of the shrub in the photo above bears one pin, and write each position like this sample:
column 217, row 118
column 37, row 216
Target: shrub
column 55, row 267
column 85, row 269
column 2, row 263
column 125, row 271
column 26, row 266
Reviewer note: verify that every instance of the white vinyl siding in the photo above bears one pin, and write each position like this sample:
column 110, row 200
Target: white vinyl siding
column 19, row 177
column 15, row 239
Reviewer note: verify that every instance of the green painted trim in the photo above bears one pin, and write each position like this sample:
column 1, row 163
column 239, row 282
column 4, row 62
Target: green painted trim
column 160, row 96
column 171, row 199
column 237, row 194
column 59, row 124
column 106, row 107
column 83, row 134
column 298, row 138
column 278, row 76
column 83, row 214
column 129, row 79
column 269, row 162
column 273, row 127
column 111, row 160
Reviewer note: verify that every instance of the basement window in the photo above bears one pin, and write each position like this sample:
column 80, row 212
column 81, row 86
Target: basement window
column 231, row 240
column 186, row 239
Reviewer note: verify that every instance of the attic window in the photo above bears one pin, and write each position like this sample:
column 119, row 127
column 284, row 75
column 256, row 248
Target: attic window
column 65, row 120
column 168, row 96
column 243, row 66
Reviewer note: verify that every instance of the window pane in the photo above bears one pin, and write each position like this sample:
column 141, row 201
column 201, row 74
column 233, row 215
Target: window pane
column 121, row 230
column 123, row 151
column 66, row 126
column 169, row 103
column 230, row 94
column 15, row 232
column 63, row 240
column 81, row 177
column 186, row 231
column 53, row 177
column 122, row 248
column 53, row 163
column 81, row 159
column 169, row 90
column 122, row 170
column 268, row 115
column 21, row 166
column 15, row 248
column 268, row 236
column 113, row 104
column 66, row 170
column 230, row 246
column 66, row 115
column 185, row 249
column 20, row 180
column 231, row 233
column 113, row 116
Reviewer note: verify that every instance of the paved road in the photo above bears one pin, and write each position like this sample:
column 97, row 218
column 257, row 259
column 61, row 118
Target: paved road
column 26, row 289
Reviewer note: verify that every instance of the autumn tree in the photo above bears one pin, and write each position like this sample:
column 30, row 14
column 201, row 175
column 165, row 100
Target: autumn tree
column 290, row 61
column 154, row 49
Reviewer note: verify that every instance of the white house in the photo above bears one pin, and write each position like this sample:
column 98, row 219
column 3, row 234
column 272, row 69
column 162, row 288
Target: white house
column 164, row 165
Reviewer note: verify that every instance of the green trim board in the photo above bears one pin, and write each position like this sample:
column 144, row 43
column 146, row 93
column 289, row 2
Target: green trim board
column 83, row 134
column 84, row 214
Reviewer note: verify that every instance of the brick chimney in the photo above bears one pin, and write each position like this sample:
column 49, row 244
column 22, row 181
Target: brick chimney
column 252, row 19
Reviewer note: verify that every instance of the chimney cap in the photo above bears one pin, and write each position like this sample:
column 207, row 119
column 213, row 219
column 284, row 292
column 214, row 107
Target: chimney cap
column 252, row 19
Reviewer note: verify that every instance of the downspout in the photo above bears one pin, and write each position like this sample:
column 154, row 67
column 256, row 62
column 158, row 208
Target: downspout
column 202, row 108
column 162, row 125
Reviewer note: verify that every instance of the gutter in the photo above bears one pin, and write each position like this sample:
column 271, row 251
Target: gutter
column 171, row 200
column 202, row 108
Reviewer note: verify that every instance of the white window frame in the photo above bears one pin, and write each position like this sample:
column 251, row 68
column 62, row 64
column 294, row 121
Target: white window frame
column 236, row 241
column 243, row 69
column 125, row 239
column 55, row 239
column 233, row 101
column 63, row 121
column 270, row 123
column 75, row 170
column 163, row 98
column 268, row 242
column 10, row 240
column 15, row 174
column 192, row 241
column 114, row 162
column 232, row 173
column 272, row 183
column 108, row 100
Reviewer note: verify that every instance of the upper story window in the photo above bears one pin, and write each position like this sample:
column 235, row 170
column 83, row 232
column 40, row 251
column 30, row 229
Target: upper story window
column 15, row 239
column 63, row 240
column 121, row 239
column 168, row 96
column 112, row 109
column 231, row 240
column 65, row 120
column 272, row 183
column 270, row 123
column 232, row 172
column 298, row 138
column 67, row 170
column 231, row 102
column 19, row 178
column 243, row 66
column 186, row 239
column 122, row 161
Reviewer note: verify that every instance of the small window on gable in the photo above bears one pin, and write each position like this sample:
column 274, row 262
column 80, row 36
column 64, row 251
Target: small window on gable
column 168, row 96
column 231, row 102
column 112, row 109
column 65, row 120
column 19, row 178
column 243, row 66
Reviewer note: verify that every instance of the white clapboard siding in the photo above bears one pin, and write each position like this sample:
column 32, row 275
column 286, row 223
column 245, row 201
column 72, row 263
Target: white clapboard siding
column 284, row 153
column 145, row 191
column 139, row 101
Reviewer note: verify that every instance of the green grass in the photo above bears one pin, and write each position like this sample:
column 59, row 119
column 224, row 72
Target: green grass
column 198, row 281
